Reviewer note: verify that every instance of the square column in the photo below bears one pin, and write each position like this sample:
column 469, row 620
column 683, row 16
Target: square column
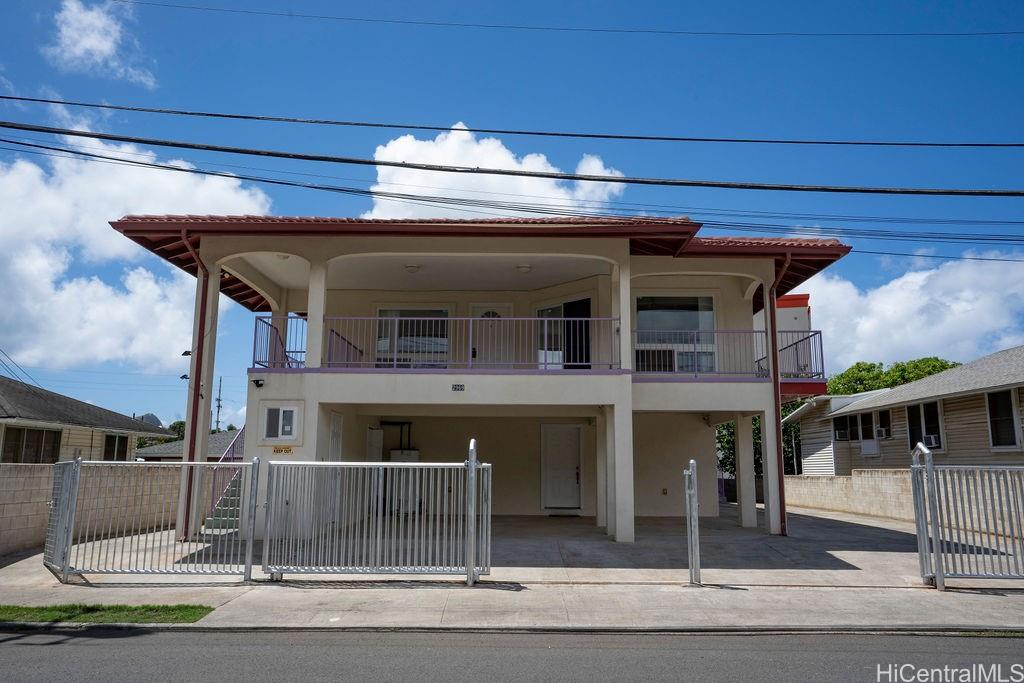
column 770, row 466
column 746, row 482
column 602, row 469
column 623, row 510
column 609, row 471
column 316, row 309
column 622, row 306
column 204, row 351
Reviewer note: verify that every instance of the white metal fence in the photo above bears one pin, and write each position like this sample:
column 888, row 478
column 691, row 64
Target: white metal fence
column 152, row 518
column 692, row 522
column 378, row 518
column 969, row 518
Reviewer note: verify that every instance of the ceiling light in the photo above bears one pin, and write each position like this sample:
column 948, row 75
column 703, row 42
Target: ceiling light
column 412, row 268
column 284, row 257
column 524, row 268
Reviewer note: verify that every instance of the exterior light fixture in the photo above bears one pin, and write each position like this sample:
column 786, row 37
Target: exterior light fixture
column 284, row 257
column 524, row 268
column 183, row 377
column 186, row 353
column 258, row 383
column 412, row 268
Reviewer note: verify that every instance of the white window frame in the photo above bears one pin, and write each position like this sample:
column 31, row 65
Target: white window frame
column 942, row 424
column 1015, row 403
column 296, row 411
column 876, row 413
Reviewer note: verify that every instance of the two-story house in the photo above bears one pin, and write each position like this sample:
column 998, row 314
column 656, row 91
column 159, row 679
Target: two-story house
column 591, row 358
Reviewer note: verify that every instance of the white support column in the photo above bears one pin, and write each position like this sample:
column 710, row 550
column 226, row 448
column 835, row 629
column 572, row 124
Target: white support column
column 601, row 430
column 622, row 306
column 609, row 490
column 746, row 489
column 316, row 308
column 622, row 417
column 770, row 467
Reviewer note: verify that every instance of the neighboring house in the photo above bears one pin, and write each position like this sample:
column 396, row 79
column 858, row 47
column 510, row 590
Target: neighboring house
column 39, row 426
column 970, row 414
column 591, row 358
column 227, row 446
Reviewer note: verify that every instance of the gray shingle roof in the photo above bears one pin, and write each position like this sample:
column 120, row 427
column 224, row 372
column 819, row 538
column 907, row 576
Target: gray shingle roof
column 218, row 444
column 19, row 400
column 995, row 371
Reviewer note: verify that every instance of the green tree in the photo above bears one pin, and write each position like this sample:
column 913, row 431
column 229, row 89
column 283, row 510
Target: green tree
column 725, row 437
column 858, row 377
column 913, row 370
column 232, row 428
column 178, row 427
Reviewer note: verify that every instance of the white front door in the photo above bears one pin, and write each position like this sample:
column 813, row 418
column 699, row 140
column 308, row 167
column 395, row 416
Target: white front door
column 493, row 337
column 560, row 466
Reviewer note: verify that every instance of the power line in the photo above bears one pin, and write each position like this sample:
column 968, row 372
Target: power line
column 550, row 175
column 576, row 29
column 511, row 131
column 20, row 369
column 1011, row 240
column 939, row 256
column 669, row 209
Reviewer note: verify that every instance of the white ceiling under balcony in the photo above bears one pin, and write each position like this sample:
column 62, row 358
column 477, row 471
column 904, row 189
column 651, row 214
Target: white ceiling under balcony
column 460, row 272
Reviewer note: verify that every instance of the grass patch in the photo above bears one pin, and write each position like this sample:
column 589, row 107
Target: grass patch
column 107, row 614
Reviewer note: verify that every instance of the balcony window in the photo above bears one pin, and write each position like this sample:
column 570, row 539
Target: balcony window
column 412, row 338
column 675, row 334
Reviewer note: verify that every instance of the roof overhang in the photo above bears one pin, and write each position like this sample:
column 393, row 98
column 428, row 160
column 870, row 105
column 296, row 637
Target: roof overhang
column 173, row 238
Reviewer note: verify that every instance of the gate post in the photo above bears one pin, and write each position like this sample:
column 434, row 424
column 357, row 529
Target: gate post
column 917, row 479
column 933, row 509
column 692, row 522
column 250, row 523
column 68, row 515
column 471, row 467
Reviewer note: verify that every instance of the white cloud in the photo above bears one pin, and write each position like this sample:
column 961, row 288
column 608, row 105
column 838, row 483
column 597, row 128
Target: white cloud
column 958, row 310
column 55, row 216
column 459, row 147
column 93, row 39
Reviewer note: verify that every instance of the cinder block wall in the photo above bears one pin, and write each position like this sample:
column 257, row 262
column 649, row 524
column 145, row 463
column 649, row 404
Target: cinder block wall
column 24, row 493
column 880, row 493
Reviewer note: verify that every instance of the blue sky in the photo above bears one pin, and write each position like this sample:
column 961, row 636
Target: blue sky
column 875, row 308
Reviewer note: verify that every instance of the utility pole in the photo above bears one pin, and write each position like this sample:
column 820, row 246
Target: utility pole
column 220, row 386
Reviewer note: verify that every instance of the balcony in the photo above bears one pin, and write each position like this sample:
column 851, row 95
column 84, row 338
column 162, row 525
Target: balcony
column 524, row 345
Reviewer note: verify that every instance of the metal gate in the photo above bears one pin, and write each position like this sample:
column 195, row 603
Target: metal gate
column 970, row 520
column 378, row 518
column 151, row 518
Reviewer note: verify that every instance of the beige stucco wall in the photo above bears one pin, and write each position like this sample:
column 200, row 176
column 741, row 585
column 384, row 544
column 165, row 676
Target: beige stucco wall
column 663, row 445
column 880, row 493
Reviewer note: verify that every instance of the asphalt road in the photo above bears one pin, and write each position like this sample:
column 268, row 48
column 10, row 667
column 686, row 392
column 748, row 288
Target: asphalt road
column 222, row 656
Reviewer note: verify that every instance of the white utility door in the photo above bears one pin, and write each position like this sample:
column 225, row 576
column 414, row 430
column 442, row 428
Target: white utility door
column 560, row 466
column 493, row 335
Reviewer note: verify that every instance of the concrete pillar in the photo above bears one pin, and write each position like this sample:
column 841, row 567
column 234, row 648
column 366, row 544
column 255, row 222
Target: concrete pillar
column 622, row 418
column 609, row 471
column 746, row 487
column 602, row 469
column 316, row 307
column 622, row 306
column 770, row 467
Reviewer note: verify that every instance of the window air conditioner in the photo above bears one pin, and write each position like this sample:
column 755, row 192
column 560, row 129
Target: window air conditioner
column 931, row 440
column 881, row 432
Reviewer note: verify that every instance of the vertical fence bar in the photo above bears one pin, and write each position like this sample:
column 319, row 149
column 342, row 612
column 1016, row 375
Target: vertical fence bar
column 692, row 522
column 933, row 510
column 250, row 522
column 470, row 538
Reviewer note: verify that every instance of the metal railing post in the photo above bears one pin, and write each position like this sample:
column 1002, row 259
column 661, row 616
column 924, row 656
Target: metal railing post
column 933, row 510
column 692, row 522
column 69, row 517
column 250, row 523
column 471, row 466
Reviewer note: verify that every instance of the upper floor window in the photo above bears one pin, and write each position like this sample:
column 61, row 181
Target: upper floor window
column 675, row 313
column 924, row 425
column 1003, row 419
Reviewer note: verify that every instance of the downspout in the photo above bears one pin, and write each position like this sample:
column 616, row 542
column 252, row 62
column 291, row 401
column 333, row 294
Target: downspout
column 773, row 334
column 195, row 381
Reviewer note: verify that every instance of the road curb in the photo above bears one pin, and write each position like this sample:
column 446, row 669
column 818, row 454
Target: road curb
column 899, row 629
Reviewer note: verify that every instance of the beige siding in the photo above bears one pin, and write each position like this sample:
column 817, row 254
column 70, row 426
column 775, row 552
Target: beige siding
column 816, row 442
column 965, row 434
